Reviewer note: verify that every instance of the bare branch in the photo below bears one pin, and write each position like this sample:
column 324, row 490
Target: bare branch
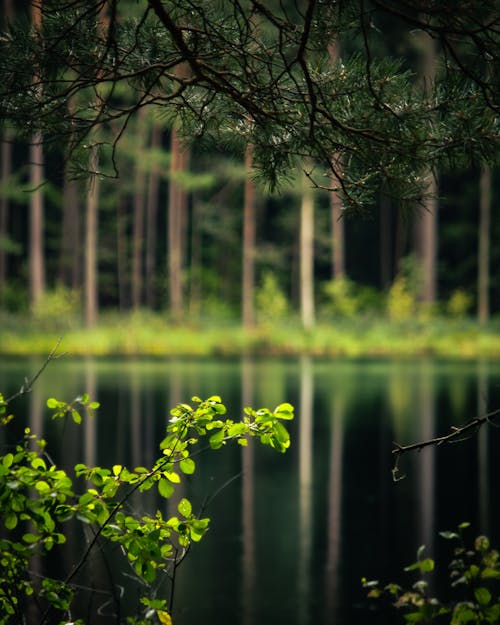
column 457, row 435
column 27, row 385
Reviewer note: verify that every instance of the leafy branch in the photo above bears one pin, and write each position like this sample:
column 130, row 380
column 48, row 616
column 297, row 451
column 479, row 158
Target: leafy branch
column 34, row 491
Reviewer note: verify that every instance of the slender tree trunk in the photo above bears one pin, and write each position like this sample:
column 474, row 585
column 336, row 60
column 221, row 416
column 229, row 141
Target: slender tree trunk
column 121, row 253
column 248, row 279
column 338, row 248
column 307, row 256
column 91, row 235
column 139, row 215
column 36, row 256
column 37, row 259
column 385, row 242
column 6, row 166
column 92, row 218
column 177, row 206
column 427, row 241
column 483, row 280
column 69, row 260
column 4, row 209
column 195, row 264
column 336, row 207
column 151, row 220
column 426, row 228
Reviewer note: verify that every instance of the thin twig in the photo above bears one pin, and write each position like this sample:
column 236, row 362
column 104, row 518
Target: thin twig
column 28, row 383
column 457, row 435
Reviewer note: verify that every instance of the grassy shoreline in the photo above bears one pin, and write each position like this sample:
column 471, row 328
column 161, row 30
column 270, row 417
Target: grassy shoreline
column 151, row 335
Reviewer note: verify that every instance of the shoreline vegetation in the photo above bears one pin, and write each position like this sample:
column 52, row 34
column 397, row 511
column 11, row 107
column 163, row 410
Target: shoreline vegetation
column 151, row 334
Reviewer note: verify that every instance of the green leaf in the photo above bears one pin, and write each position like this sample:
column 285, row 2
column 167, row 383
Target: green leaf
column 165, row 488
column 42, row 487
column 414, row 617
column 39, row 463
column 449, row 535
column 30, row 538
column 7, row 460
column 184, row 507
column 77, row 418
column 482, row 595
column 187, row 466
column 10, row 520
column 427, row 565
column 489, row 573
column 216, row 440
column 174, row 477
column 284, row 411
column 52, row 403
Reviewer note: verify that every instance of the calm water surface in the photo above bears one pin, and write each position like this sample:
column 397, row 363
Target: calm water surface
column 291, row 534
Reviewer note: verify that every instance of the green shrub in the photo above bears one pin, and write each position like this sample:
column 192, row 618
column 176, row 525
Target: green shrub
column 401, row 303
column 58, row 308
column 459, row 304
column 341, row 298
column 14, row 297
column 474, row 587
column 270, row 300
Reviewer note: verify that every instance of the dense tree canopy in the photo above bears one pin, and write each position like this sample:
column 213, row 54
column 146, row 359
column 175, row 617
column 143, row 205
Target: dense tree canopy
column 263, row 73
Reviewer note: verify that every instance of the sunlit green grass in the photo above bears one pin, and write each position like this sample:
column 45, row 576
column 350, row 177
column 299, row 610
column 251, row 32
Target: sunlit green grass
column 152, row 335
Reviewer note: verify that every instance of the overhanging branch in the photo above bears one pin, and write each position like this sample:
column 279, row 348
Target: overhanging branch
column 457, row 435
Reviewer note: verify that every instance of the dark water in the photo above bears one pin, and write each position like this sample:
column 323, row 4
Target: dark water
column 292, row 534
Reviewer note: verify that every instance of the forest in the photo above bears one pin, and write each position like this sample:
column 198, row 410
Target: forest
column 118, row 197
column 248, row 178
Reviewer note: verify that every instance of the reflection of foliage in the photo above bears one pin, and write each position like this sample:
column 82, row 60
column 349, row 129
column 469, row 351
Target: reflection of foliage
column 474, row 586
column 38, row 499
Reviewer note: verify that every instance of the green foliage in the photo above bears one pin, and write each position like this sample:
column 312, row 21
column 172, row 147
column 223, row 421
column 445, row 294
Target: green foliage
column 400, row 301
column 346, row 299
column 14, row 296
column 57, row 308
column 474, row 572
column 270, row 299
column 459, row 304
column 37, row 499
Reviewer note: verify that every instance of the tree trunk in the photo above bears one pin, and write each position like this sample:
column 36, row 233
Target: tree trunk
column 151, row 220
column 177, row 207
column 248, row 261
column 195, row 292
column 91, row 232
column 426, row 245
column 6, row 152
column 426, row 228
column 307, row 256
column 70, row 258
column 36, row 256
column 336, row 207
column 139, row 214
column 121, row 253
column 385, row 242
column 338, row 248
column 483, row 279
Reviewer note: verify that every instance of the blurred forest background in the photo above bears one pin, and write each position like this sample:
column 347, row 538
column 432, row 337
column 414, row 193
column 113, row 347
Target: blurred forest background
column 190, row 234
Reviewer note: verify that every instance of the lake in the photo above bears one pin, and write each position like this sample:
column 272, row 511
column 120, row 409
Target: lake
column 291, row 535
